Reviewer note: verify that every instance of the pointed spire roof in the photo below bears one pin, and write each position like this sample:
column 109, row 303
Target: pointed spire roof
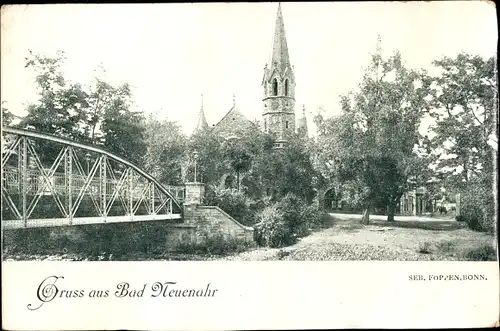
column 302, row 122
column 280, row 55
column 202, row 121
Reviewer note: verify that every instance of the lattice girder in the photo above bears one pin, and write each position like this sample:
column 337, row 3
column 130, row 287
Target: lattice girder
column 61, row 190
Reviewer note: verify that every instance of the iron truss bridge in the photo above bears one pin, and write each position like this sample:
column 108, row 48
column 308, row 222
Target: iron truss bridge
column 50, row 181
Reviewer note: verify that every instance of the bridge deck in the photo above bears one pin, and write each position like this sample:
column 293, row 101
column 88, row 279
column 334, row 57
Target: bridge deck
column 47, row 222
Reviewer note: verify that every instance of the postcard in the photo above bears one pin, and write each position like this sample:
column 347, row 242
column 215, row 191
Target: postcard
column 227, row 166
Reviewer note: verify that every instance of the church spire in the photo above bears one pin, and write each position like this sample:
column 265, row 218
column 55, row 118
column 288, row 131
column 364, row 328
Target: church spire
column 202, row 121
column 280, row 57
column 278, row 85
column 302, row 123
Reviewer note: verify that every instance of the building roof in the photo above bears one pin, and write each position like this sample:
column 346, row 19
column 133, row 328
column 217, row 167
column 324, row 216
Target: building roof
column 233, row 122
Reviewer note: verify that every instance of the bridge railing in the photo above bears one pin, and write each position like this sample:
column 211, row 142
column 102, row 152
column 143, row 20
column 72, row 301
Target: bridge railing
column 47, row 181
column 35, row 180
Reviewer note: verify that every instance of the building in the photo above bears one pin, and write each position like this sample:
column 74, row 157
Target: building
column 414, row 202
column 278, row 102
column 234, row 124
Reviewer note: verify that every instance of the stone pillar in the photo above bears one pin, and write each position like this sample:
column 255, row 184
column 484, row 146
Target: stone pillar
column 194, row 197
column 457, row 204
column 194, row 193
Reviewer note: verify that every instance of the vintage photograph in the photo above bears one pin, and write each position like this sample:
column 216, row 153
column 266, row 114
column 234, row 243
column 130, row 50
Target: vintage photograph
column 332, row 131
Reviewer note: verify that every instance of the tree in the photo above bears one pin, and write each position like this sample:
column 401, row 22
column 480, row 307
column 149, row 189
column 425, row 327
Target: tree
column 210, row 165
column 371, row 146
column 278, row 172
column 123, row 129
column 239, row 158
column 100, row 115
column 7, row 116
column 465, row 100
column 165, row 150
column 61, row 107
column 464, row 103
column 100, row 99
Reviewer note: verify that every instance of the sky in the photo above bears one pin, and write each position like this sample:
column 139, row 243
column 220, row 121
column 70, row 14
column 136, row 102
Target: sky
column 172, row 53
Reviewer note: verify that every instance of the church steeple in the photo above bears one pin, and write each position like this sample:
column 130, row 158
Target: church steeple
column 279, row 87
column 202, row 121
column 280, row 57
column 302, row 123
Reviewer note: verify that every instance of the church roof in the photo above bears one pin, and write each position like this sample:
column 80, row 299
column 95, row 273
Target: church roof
column 234, row 122
column 233, row 118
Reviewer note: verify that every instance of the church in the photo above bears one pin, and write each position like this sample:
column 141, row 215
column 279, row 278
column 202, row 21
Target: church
column 278, row 99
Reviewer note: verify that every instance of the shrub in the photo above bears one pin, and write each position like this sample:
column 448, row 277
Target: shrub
column 314, row 216
column 483, row 253
column 293, row 209
column 477, row 208
column 271, row 229
column 424, row 248
column 122, row 240
column 214, row 244
column 290, row 218
column 39, row 240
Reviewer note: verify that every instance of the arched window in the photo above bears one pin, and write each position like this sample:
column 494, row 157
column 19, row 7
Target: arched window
column 275, row 87
column 286, row 87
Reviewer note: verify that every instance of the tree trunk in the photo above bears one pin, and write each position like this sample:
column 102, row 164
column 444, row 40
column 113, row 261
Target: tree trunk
column 391, row 209
column 366, row 216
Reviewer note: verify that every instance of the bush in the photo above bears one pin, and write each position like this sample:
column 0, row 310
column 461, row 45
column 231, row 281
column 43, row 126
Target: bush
column 293, row 209
column 424, row 248
column 477, row 208
column 282, row 223
column 483, row 253
column 271, row 229
column 122, row 240
column 314, row 216
column 49, row 240
column 214, row 244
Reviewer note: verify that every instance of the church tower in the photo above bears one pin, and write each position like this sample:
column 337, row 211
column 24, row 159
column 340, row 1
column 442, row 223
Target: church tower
column 202, row 121
column 302, row 124
column 278, row 83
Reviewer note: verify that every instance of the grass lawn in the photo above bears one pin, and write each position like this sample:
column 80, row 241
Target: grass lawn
column 409, row 240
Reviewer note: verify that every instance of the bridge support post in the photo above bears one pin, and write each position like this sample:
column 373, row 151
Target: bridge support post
column 194, row 193
column 193, row 198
